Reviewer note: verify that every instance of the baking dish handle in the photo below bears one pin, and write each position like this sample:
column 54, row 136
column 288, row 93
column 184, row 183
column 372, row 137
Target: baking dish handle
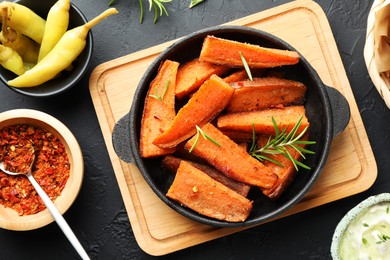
column 121, row 139
column 340, row 110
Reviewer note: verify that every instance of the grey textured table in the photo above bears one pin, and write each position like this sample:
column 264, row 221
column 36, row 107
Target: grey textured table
column 98, row 216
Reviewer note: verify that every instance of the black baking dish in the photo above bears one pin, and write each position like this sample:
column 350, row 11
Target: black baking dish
column 327, row 110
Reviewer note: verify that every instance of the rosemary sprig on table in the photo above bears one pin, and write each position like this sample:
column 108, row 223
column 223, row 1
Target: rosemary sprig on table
column 157, row 5
column 195, row 2
column 246, row 66
column 200, row 132
column 157, row 96
column 279, row 144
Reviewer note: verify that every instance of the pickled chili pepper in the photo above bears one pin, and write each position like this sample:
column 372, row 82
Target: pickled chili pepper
column 23, row 45
column 22, row 19
column 11, row 60
column 61, row 57
column 57, row 22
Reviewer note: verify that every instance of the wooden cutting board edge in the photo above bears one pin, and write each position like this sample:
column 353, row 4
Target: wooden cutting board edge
column 159, row 247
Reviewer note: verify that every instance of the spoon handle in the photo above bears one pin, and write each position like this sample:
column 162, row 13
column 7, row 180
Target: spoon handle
column 58, row 218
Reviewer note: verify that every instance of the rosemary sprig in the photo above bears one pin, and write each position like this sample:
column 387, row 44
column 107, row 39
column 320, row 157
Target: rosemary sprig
column 141, row 11
column 200, row 132
column 159, row 8
column 246, row 66
column 279, row 144
column 157, row 5
column 195, row 2
column 157, row 96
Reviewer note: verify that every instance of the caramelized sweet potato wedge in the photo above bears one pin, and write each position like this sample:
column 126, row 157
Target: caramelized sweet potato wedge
column 183, row 153
column 238, row 75
column 241, row 74
column 227, row 52
column 239, row 137
column 211, row 98
column 171, row 164
column 194, row 73
column 285, row 173
column 285, row 118
column 201, row 193
column 230, row 158
column 262, row 93
column 158, row 114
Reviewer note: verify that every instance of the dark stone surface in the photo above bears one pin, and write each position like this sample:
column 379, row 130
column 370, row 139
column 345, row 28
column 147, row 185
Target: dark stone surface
column 98, row 216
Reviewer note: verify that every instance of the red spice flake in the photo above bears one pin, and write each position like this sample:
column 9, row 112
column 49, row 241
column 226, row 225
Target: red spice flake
column 51, row 168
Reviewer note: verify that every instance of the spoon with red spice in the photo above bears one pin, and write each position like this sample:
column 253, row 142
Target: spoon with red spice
column 22, row 165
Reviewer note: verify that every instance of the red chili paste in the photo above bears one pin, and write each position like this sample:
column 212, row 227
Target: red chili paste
column 50, row 169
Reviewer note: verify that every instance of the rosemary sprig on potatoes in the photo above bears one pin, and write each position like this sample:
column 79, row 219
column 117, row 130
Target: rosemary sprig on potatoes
column 200, row 132
column 157, row 96
column 246, row 66
column 279, row 144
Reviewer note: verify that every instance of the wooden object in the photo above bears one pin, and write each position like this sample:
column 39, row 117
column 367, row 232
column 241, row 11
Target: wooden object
column 9, row 218
column 380, row 80
column 350, row 169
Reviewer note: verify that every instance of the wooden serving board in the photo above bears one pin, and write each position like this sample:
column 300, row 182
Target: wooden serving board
column 350, row 169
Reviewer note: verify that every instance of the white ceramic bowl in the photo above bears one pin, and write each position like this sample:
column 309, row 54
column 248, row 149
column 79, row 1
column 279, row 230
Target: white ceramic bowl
column 9, row 218
column 351, row 216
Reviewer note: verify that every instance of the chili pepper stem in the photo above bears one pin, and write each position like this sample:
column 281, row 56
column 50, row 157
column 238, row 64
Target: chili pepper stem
column 8, row 34
column 100, row 17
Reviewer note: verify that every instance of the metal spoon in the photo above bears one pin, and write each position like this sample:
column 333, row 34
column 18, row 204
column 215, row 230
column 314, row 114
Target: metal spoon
column 52, row 208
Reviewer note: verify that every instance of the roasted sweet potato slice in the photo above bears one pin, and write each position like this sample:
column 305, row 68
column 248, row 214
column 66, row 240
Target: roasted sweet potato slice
column 227, row 52
column 194, row 73
column 201, row 193
column 286, row 118
column 238, row 75
column 171, row 164
column 211, row 98
column 262, row 93
column 230, row 158
column 285, row 173
column 159, row 109
column 239, row 137
column 241, row 74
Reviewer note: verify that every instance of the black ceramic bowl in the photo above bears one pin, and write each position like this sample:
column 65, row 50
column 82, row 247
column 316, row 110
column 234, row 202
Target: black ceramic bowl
column 327, row 110
column 67, row 79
